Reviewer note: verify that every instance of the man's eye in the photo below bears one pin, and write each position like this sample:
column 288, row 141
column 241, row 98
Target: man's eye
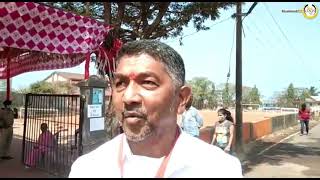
column 119, row 84
column 149, row 84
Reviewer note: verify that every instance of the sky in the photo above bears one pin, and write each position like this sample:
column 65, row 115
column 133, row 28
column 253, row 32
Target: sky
column 271, row 58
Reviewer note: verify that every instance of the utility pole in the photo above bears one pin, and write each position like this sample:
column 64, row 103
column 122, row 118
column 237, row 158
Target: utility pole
column 239, row 141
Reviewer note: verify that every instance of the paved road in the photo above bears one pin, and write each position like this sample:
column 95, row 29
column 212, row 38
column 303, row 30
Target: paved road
column 297, row 157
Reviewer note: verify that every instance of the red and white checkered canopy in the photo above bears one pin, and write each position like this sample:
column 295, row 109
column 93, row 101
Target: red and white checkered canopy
column 36, row 37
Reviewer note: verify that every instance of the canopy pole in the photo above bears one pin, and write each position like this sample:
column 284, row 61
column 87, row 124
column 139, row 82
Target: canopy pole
column 86, row 66
column 8, row 75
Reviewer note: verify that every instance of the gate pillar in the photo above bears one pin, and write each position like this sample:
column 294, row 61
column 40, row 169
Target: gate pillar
column 93, row 128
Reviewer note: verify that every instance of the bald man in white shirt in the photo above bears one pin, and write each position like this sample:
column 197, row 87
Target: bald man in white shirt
column 148, row 92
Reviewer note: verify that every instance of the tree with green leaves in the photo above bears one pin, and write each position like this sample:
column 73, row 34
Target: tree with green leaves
column 203, row 90
column 291, row 96
column 313, row 91
column 246, row 95
column 254, row 95
column 42, row 87
column 281, row 100
column 148, row 20
column 303, row 95
column 228, row 95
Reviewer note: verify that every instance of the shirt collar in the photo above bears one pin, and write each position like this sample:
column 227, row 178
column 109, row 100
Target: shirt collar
column 176, row 161
column 127, row 153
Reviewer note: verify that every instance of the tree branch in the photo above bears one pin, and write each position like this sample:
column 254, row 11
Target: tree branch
column 120, row 15
column 144, row 15
column 162, row 11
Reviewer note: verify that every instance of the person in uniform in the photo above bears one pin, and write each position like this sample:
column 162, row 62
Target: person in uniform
column 6, row 130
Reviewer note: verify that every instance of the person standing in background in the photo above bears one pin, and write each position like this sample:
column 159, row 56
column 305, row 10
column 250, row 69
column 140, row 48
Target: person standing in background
column 6, row 129
column 224, row 131
column 191, row 120
column 304, row 117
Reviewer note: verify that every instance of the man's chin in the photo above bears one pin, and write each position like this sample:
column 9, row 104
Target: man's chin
column 136, row 137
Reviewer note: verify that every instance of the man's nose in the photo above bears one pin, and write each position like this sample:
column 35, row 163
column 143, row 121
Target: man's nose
column 132, row 94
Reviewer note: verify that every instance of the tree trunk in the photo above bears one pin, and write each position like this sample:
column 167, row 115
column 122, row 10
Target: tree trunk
column 107, row 12
column 120, row 15
column 88, row 9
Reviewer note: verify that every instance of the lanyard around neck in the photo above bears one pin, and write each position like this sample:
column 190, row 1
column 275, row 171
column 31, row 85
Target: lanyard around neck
column 163, row 166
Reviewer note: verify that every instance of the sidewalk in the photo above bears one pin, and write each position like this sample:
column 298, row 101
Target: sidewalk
column 296, row 157
column 14, row 167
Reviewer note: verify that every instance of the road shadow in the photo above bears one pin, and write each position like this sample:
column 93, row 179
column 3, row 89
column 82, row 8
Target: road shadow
column 302, row 153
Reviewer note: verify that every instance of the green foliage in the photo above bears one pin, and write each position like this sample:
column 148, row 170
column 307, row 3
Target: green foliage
column 16, row 98
column 290, row 96
column 227, row 96
column 3, row 85
column 42, row 87
column 254, row 96
column 203, row 90
column 305, row 94
column 313, row 91
column 246, row 95
column 63, row 87
column 281, row 100
column 148, row 20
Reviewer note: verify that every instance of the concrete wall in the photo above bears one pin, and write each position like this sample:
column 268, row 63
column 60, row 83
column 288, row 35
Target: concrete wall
column 283, row 122
column 255, row 130
column 261, row 128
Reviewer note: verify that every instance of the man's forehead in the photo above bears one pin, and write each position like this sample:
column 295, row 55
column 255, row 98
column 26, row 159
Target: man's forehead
column 133, row 75
column 139, row 64
column 136, row 58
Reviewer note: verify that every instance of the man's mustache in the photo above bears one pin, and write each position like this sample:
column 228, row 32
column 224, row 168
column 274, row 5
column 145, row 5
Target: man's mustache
column 137, row 113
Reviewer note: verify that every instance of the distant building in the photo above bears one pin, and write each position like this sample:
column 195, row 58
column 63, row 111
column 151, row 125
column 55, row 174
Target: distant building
column 313, row 101
column 269, row 103
column 71, row 78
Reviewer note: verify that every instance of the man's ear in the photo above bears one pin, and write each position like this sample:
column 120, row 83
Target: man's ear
column 184, row 96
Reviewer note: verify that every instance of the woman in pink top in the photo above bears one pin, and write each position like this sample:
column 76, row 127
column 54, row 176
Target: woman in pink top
column 46, row 143
column 304, row 117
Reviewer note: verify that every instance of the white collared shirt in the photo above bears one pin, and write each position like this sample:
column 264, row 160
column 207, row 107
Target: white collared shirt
column 191, row 157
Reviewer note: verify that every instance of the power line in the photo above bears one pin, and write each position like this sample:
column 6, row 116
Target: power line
column 191, row 34
column 258, row 39
column 285, row 36
column 280, row 29
column 246, row 14
column 260, row 32
column 256, row 27
column 233, row 37
column 209, row 27
column 264, row 27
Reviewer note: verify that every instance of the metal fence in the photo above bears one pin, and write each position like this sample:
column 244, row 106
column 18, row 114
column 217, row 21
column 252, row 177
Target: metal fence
column 56, row 149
